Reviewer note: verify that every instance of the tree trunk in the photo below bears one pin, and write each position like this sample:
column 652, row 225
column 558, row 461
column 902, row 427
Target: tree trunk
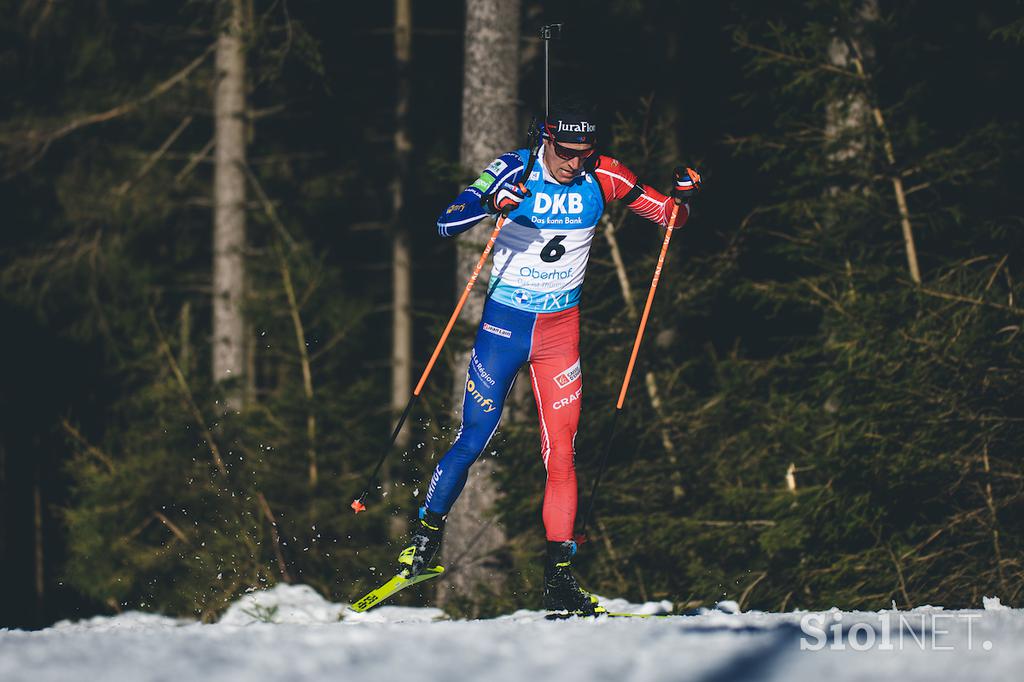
column 401, row 259
column 489, row 95
column 848, row 118
column 858, row 113
column 185, row 339
column 229, row 210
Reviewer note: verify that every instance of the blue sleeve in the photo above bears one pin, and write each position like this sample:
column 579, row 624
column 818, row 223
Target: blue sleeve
column 466, row 211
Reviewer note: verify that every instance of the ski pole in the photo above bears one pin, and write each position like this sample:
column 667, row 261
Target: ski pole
column 581, row 537
column 359, row 503
column 547, row 32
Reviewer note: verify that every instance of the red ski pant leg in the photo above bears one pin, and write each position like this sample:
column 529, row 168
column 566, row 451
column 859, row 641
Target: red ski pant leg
column 558, row 388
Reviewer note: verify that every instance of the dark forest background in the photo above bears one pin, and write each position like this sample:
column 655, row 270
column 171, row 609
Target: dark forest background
column 821, row 415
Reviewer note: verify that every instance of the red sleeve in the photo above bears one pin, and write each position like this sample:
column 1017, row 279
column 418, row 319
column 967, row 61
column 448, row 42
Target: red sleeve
column 618, row 182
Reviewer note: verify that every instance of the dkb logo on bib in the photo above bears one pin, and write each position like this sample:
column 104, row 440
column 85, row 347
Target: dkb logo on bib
column 557, row 204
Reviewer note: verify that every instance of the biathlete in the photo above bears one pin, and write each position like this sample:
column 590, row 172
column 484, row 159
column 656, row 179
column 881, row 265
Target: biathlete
column 531, row 315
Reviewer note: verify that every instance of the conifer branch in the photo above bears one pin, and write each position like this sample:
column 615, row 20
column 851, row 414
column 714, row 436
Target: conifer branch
column 740, row 38
column 186, row 393
column 278, row 554
column 650, row 382
column 194, row 161
column 988, row 285
column 89, row 447
column 991, row 503
column 899, row 575
column 972, row 301
column 268, row 208
column 750, row 588
column 307, row 374
column 296, row 317
column 615, row 560
column 749, row 523
column 122, row 109
column 890, row 154
column 171, row 526
column 123, row 188
column 334, row 340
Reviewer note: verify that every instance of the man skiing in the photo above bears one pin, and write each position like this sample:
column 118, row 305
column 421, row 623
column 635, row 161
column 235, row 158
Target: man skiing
column 531, row 316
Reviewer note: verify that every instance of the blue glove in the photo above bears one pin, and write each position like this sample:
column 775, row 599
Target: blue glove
column 687, row 183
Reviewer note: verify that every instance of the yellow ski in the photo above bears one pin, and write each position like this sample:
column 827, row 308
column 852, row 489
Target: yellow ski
column 392, row 586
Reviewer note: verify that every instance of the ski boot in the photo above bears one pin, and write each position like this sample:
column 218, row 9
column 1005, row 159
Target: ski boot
column 561, row 591
column 423, row 545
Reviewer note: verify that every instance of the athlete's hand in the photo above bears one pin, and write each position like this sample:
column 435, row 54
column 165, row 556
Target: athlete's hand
column 687, row 183
column 504, row 199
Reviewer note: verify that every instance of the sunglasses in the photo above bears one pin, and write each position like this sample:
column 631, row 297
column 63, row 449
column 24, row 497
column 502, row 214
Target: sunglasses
column 565, row 153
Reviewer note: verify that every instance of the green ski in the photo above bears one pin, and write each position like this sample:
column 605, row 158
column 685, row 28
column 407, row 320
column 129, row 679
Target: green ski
column 396, row 584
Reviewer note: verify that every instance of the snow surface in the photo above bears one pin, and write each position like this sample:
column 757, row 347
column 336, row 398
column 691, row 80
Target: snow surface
column 291, row 633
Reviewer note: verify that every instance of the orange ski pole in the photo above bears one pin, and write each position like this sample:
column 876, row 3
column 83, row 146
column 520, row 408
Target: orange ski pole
column 581, row 537
column 358, row 504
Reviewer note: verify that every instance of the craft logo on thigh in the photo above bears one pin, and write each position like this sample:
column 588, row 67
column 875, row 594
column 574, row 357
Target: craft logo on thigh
column 497, row 331
column 565, row 402
column 479, row 398
column 568, row 376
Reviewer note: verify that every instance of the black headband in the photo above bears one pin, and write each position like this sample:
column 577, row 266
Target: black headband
column 564, row 127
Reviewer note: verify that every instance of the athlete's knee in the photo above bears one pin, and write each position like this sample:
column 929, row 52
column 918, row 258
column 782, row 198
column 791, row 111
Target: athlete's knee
column 561, row 464
column 474, row 438
column 462, row 453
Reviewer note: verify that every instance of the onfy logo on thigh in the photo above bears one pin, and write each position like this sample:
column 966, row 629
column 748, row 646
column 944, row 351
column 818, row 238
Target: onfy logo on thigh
column 566, row 377
column 565, row 402
column 479, row 398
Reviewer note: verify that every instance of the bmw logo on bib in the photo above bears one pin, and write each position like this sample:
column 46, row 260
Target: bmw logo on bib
column 521, row 297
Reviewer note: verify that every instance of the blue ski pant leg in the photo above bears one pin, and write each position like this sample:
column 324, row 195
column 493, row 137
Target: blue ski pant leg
column 502, row 346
